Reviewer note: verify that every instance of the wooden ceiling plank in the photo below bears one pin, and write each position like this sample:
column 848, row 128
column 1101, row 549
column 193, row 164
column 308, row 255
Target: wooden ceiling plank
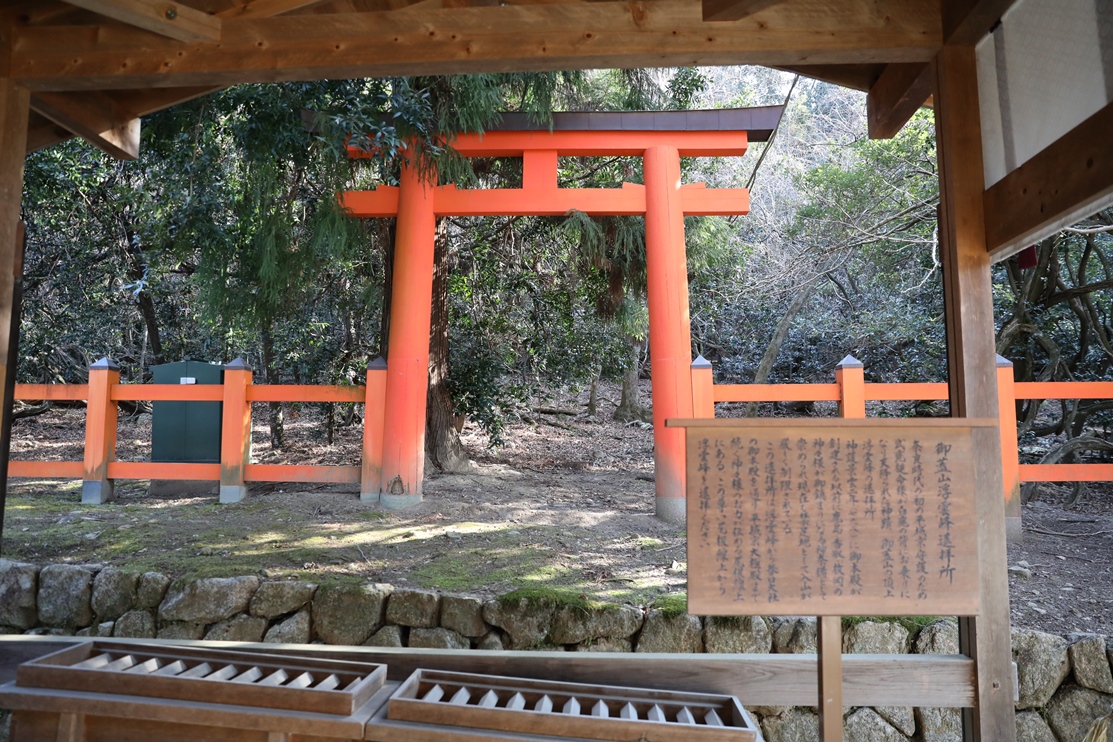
column 733, row 10
column 1066, row 182
column 965, row 22
column 163, row 17
column 895, row 97
column 267, row 8
column 42, row 132
column 95, row 118
column 487, row 39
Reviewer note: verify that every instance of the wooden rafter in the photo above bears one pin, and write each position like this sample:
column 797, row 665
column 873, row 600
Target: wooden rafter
column 965, row 22
column 895, row 97
column 1070, row 179
column 500, row 38
column 267, row 8
column 95, row 117
column 164, row 17
column 733, row 10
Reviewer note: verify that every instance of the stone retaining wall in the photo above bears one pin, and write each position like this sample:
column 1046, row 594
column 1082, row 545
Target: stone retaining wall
column 1065, row 682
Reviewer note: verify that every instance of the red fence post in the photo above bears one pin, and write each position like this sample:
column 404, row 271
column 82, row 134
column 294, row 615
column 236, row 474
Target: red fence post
column 1010, row 451
column 851, row 378
column 235, row 432
column 703, row 388
column 100, row 433
column 371, row 477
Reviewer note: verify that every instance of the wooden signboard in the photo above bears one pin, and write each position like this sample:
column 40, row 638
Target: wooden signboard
column 832, row 517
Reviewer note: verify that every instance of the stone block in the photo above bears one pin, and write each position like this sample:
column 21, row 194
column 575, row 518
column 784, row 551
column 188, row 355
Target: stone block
column 492, row 641
column 274, row 599
column 938, row 637
column 875, row 637
column 65, row 595
column 794, row 635
column 114, row 593
column 1030, row 727
column 606, row 645
column 574, row 624
column 417, row 608
column 1090, row 663
column 19, row 588
column 348, row 614
column 526, row 622
column 1073, row 709
column 290, row 630
column 938, row 725
column 463, row 614
column 208, row 600
column 737, row 634
column 866, row 725
column 241, row 628
column 181, row 630
column 794, row 725
column 135, row 625
column 1042, row 665
column 151, row 590
column 679, row 633
column 387, row 636
column 438, row 638
column 900, row 717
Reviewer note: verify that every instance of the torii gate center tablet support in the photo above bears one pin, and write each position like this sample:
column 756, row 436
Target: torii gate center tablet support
column 663, row 200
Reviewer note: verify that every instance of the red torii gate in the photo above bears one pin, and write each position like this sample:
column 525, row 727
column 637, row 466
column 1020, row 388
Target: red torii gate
column 661, row 139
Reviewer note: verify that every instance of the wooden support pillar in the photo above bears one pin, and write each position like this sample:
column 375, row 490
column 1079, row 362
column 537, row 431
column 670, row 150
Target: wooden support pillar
column 101, row 415
column 15, row 104
column 235, row 432
column 851, row 378
column 972, row 367
column 829, row 651
column 670, row 331
column 703, row 388
column 407, row 376
column 1010, row 452
column 371, row 476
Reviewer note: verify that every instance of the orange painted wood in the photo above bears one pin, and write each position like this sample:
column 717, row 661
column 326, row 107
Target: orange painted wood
column 932, row 391
column 408, row 352
column 302, row 473
column 162, row 470
column 381, row 202
column 167, row 392
column 698, row 200
column 304, row 393
column 670, row 336
column 371, row 474
column 629, row 200
column 539, row 170
column 703, row 390
column 235, row 432
column 852, row 391
column 1066, row 472
column 100, row 425
column 57, row 392
column 1064, row 389
column 776, row 392
column 46, row 469
column 1010, row 452
column 602, row 143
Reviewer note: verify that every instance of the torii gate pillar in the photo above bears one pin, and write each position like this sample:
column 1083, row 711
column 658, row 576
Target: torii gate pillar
column 670, row 331
column 407, row 377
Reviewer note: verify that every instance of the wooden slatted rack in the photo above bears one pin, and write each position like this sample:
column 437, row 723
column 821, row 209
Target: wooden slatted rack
column 559, row 710
column 207, row 676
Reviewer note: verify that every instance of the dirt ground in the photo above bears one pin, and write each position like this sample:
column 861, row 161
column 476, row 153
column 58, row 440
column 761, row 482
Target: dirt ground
column 566, row 502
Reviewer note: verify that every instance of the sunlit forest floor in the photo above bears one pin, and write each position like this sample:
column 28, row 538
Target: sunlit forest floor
column 566, row 502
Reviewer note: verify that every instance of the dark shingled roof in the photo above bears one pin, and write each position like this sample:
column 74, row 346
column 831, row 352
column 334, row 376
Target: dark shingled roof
column 758, row 122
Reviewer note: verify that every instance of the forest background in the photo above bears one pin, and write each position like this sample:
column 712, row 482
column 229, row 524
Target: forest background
column 224, row 239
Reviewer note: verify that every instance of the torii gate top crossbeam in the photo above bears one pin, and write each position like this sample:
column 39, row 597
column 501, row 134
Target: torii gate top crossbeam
column 540, row 194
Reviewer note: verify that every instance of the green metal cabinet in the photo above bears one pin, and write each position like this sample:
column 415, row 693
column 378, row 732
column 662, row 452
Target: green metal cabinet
column 186, row 431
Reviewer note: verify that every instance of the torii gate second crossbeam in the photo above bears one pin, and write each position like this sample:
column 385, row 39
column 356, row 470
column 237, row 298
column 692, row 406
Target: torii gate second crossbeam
column 661, row 139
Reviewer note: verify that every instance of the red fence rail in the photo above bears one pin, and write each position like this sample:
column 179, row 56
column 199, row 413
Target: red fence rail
column 99, row 468
column 851, row 392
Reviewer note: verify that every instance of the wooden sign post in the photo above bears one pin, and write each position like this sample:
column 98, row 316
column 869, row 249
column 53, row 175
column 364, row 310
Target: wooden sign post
column 831, row 518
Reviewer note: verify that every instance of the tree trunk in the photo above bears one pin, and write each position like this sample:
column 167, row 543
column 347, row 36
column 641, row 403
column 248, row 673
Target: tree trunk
column 278, row 438
column 628, row 407
column 442, row 440
column 772, row 350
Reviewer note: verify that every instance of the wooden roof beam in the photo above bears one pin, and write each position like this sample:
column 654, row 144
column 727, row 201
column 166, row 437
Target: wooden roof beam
column 163, row 17
column 267, row 8
column 965, row 22
column 95, row 118
column 1067, row 181
column 895, row 97
column 487, row 39
column 733, row 10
